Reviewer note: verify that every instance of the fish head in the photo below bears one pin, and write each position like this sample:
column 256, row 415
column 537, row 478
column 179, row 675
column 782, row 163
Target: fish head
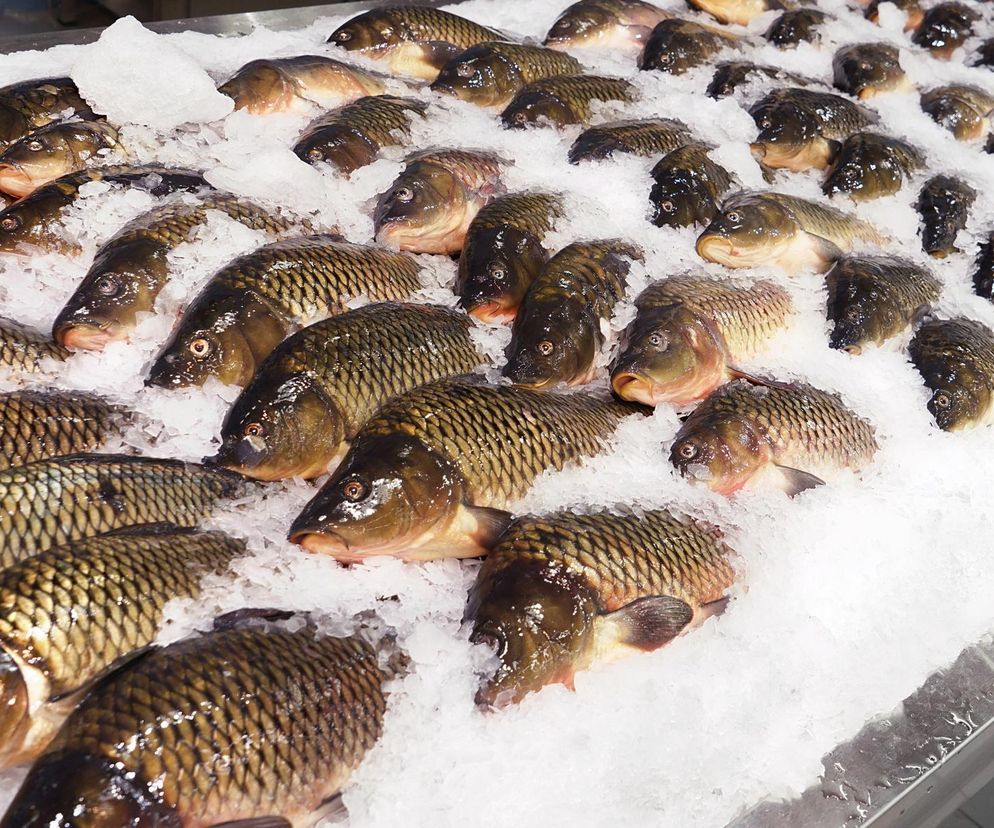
column 389, row 494
column 536, row 107
column 479, row 76
column 370, row 32
column 279, row 427
column 582, row 24
column 15, row 713
column 33, row 160
column 71, row 789
column 539, row 621
column 721, row 453
column 124, row 280
column 860, row 314
column 261, row 88
column 425, row 202
column 680, row 198
column 959, row 399
column 672, row 50
column 13, row 124
column 25, row 226
column 747, row 232
column 864, row 69
column 672, row 355
column 552, row 341
column 785, row 131
column 495, row 270
column 862, row 174
column 346, row 149
column 956, row 115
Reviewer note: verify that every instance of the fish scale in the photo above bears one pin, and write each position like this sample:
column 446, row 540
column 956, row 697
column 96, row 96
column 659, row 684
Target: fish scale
column 23, row 349
column 424, row 24
column 824, row 221
column 56, row 501
column 31, row 104
column 534, row 213
column 474, row 169
column 575, row 92
column 530, row 62
column 647, row 137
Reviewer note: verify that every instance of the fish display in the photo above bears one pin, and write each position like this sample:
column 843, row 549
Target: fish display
column 30, row 105
column 789, row 437
column 868, row 69
column 504, row 252
column 678, row 45
column 796, row 26
column 112, row 593
column 411, row 40
column 311, row 395
column 874, row 298
column 431, row 474
column 956, row 360
column 604, row 24
column 557, row 334
column 352, row 137
column 687, row 187
column 563, row 100
column 258, row 299
column 964, row 110
column 869, row 165
column 604, row 585
column 944, row 28
column 944, row 206
column 650, row 136
column 26, row 351
column 690, row 331
column 317, row 705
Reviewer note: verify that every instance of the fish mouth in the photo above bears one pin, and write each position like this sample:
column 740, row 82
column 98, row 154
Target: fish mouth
column 444, row 88
column 493, row 311
column 87, row 336
column 15, row 181
column 716, row 248
column 637, row 388
column 325, row 543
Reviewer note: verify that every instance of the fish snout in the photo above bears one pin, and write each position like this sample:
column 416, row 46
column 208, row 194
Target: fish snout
column 634, row 387
column 15, row 181
column 84, row 336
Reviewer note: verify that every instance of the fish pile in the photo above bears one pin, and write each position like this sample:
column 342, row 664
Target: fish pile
column 346, row 364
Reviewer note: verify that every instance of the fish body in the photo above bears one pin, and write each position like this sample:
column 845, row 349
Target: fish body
column 647, row 137
column 964, row 110
column 874, row 298
column 756, row 228
column 29, row 105
column 352, row 137
column 688, row 334
column 52, row 152
column 433, row 472
column 677, row 45
column 429, row 207
column 956, row 359
column 52, row 502
column 740, row 12
column 295, row 84
column 944, row 206
column 558, row 332
column 985, row 53
column 491, row 74
column 605, row 24
column 869, row 69
column 790, row 436
column 130, row 270
column 944, row 28
column 730, row 75
column 800, row 129
column 687, row 186
column 983, row 274
column 74, row 613
column 869, row 165
column 238, row 726
column 258, row 299
column 558, row 593
column 796, row 26
column 23, row 350
column 411, row 40
column 311, row 395
column 563, row 100
column 504, row 253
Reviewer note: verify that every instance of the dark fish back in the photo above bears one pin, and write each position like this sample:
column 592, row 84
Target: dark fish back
column 639, row 137
column 23, row 349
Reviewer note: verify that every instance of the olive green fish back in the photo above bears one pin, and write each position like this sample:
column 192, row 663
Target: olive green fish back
column 474, row 169
column 591, row 273
column 533, row 213
column 534, row 62
column 424, row 24
column 904, row 283
column 577, row 91
column 647, row 137
column 377, row 118
column 821, row 220
column 948, row 342
column 23, row 349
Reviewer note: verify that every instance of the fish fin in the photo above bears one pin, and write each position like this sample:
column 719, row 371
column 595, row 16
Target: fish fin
column 754, row 379
column 437, row 52
column 490, row 523
column 712, row 608
column 239, row 617
column 797, row 481
column 108, row 672
column 160, row 528
column 651, row 622
column 256, row 822
column 769, row 173
column 332, row 810
column 828, row 250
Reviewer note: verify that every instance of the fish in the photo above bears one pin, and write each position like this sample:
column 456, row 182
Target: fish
column 563, row 100
column 731, row 74
column 131, row 268
column 243, row 727
column 258, row 299
column 491, row 74
column 430, row 205
column 869, row 165
column 874, row 298
column 944, row 28
column 34, row 223
column 52, row 152
column 38, row 424
column 677, row 45
column 28, row 105
column 983, row 273
column 740, row 12
column 75, row 613
column 796, row 26
column 24, row 350
column 561, row 592
column 911, row 9
column 604, row 24
column 433, row 472
column 956, row 360
column 63, row 499
column 985, row 53
column 801, row 129
column 411, row 40
column 295, row 84
column 311, row 395
column 352, row 137
column 756, row 228
column 687, row 186
column 964, row 110
column 690, row 331
column 944, row 205
column 647, row 137
column 869, row 69
column 786, row 436
column 557, row 334
column 504, row 252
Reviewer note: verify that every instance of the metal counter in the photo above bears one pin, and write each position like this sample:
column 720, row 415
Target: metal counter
column 907, row 770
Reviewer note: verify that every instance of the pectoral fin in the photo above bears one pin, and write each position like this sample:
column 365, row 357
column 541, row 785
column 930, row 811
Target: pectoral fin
column 796, row 481
column 256, row 822
column 649, row 623
column 437, row 52
column 490, row 524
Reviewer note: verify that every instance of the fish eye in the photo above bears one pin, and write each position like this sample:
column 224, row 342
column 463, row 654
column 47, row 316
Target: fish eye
column 852, row 314
column 545, row 347
column 9, row 223
column 520, row 117
column 465, row 70
column 665, row 58
column 254, row 430
column 35, row 146
column 200, row 347
column 107, row 286
column 343, row 36
column 403, row 194
column 667, row 206
column 497, row 270
column 765, row 123
column 354, row 490
column 657, row 340
column 865, row 66
column 688, row 451
column 315, row 154
column 733, row 216
column 942, row 400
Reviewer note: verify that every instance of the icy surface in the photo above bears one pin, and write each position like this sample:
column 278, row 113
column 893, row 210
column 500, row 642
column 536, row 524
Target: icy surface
column 849, row 596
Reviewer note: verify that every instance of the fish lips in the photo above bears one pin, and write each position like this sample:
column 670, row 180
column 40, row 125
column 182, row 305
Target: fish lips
column 322, row 542
column 15, row 180
column 85, row 334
